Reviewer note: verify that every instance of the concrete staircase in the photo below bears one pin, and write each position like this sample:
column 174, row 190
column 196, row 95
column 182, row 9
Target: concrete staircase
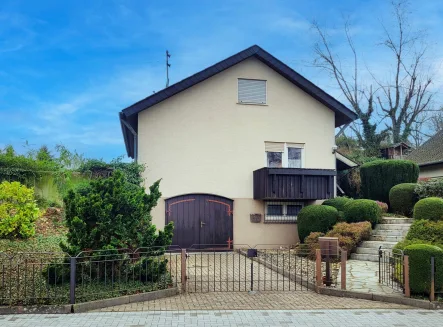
column 386, row 234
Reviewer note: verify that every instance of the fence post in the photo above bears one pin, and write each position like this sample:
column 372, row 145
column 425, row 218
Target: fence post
column 72, row 281
column 318, row 267
column 344, row 257
column 432, row 293
column 183, row 270
column 406, row 275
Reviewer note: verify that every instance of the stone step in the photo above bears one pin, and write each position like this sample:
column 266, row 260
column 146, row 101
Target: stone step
column 364, row 257
column 385, row 238
column 377, row 244
column 392, row 220
column 390, row 232
column 361, row 250
column 393, row 226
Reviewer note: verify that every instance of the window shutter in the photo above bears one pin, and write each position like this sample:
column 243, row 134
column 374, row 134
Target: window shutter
column 295, row 145
column 274, row 147
column 251, row 91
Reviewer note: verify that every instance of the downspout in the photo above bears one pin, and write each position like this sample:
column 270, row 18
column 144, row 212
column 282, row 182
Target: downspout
column 134, row 134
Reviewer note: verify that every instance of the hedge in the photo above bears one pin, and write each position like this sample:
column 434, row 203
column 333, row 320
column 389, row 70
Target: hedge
column 430, row 188
column 362, row 210
column 429, row 209
column 379, row 176
column 315, row 218
column 426, row 230
column 338, row 202
column 420, row 267
column 402, row 198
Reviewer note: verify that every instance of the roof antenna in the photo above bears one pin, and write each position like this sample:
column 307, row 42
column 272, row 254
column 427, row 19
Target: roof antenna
column 168, row 55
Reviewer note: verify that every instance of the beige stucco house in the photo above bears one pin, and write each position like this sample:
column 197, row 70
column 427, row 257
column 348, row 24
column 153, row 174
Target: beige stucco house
column 240, row 147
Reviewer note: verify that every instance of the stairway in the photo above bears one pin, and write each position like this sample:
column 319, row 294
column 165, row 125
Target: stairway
column 386, row 234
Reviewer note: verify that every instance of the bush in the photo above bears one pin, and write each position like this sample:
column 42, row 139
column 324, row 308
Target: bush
column 312, row 244
column 18, row 210
column 430, row 188
column 429, row 209
column 378, row 177
column 362, row 210
column 402, row 198
column 426, row 230
column 383, row 206
column 350, row 235
column 315, row 218
column 338, row 202
column 403, row 244
column 420, row 267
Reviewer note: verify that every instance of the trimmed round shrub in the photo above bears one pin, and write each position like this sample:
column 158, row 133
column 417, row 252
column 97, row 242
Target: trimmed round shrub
column 429, row 209
column 315, row 218
column 420, row 267
column 426, row 230
column 362, row 210
column 338, row 202
column 402, row 198
column 379, row 176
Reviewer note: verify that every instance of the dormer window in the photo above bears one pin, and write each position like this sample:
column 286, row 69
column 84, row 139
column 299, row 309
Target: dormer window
column 251, row 91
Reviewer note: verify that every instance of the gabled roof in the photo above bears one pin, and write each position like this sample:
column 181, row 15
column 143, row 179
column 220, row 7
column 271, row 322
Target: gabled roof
column 403, row 144
column 343, row 115
column 343, row 162
column 431, row 152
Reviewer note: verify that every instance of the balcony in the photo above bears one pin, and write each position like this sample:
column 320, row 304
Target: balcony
column 293, row 184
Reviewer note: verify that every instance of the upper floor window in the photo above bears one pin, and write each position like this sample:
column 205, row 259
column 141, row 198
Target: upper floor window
column 251, row 91
column 284, row 155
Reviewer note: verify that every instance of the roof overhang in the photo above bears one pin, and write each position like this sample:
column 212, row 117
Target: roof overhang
column 344, row 163
column 427, row 164
column 343, row 115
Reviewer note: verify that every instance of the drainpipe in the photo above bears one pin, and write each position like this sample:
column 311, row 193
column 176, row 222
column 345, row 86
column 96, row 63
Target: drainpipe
column 133, row 132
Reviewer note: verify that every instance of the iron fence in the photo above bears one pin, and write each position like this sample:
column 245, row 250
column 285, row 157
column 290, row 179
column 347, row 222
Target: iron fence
column 58, row 278
column 391, row 270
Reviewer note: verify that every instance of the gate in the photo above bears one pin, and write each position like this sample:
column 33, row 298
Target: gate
column 391, row 269
column 210, row 268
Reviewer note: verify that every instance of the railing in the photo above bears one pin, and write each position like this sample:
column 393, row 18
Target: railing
column 57, row 278
column 391, row 269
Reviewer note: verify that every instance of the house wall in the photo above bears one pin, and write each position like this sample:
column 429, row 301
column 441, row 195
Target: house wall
column 202, row 141
column 431, row 171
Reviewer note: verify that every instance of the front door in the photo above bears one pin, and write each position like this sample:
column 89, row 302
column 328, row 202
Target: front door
column 200, row 220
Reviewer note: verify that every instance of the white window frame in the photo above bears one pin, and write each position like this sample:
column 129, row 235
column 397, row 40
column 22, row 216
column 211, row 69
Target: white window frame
column 283, row 218
column 285, row 155
column 253, row 103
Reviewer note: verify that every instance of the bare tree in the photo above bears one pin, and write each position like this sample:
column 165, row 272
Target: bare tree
column 436, row 121
column 398, row 102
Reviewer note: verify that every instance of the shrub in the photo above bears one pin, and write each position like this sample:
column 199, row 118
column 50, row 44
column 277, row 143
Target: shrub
column 315, row 218
column 18, row 210
column 338, row 202
column 402, row 198
column 420, row 267
column 350, row 235
column 362, row 210
column 312, row 244
column 426, row 230
column 383, row 206
column 403, row 244
column 378, row 177
column 429, row 208
column 430, row 188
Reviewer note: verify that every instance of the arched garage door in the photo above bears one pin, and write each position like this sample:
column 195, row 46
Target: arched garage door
column 200, row 219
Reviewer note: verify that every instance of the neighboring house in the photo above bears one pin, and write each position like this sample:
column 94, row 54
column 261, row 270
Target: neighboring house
column 395, row 151
column 429, row 157
column 240, row 147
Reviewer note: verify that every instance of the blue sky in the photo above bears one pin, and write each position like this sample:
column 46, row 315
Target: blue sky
column 68, row 67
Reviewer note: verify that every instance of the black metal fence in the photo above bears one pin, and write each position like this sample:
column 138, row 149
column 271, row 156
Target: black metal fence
column 57, row 278
column 391, row 270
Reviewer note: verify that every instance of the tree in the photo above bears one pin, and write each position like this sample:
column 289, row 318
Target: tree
column 398, row 102
column 43, row 154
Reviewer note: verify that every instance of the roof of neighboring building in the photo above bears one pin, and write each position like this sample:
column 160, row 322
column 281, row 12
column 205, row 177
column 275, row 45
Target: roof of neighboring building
column 405, row 145
column 343, row 162
column 128, row 116
column 431, row 152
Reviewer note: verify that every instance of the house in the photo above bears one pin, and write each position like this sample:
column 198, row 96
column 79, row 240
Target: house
column 429, row 157
column 395, row 151
column 240, row 146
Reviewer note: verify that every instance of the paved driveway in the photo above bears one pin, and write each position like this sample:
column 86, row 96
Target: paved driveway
column 332, row 318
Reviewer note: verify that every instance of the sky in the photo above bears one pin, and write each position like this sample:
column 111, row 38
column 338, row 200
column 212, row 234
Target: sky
column 68, row 67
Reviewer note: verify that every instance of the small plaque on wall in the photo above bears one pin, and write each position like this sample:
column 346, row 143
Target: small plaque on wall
column 255, row 217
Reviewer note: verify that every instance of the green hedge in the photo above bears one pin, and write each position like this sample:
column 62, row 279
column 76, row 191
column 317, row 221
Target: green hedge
column 362, row 210
column 338, row 202
column 315, row 218
column 426, row 230
column 379, row 176
column 402, row 198
column 429, row 209
column 430, row 188
column 420, row 267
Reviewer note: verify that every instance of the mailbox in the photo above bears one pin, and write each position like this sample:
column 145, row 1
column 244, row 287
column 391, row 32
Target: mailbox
column 328, row 246
column 252, row 253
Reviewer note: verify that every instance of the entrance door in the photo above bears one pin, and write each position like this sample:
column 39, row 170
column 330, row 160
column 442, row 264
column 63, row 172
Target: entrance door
column 201, row 220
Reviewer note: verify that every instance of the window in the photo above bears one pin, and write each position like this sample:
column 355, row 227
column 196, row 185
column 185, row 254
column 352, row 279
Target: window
column 284, row 155
column 251, row 91
column 282, row 212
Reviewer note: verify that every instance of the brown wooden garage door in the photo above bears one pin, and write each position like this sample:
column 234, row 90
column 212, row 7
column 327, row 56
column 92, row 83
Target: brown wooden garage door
column 200, row 219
